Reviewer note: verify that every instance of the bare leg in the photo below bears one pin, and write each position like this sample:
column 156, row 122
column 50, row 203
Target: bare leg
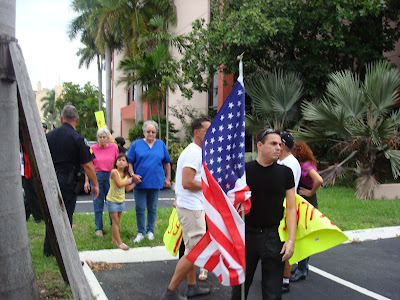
column 287, row 270
column 115, row 216
column 183, row 268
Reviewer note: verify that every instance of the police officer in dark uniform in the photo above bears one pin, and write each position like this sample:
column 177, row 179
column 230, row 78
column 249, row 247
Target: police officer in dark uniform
column 69, row 151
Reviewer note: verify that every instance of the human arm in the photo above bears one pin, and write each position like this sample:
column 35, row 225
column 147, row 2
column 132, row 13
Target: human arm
column 317, row 183
column 188, row 181
column 167, row 180
column 291, row 220
column 86, row 186
column 129, row 187
column 91, row 173
column 114, row 176
column 135, row 177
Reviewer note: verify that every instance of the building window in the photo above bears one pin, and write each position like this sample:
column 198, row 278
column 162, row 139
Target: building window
column 213, row 93
column 129, row 99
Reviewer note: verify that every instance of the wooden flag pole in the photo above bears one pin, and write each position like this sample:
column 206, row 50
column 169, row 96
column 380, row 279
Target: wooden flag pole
column 48, row 190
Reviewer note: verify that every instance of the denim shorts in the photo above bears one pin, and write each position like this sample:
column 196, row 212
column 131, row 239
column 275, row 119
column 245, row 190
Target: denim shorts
column 115, row 206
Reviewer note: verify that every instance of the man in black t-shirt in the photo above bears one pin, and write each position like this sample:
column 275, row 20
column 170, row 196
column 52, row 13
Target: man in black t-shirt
column 269, row 183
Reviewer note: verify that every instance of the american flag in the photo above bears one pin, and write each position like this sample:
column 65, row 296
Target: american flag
column 222, row 248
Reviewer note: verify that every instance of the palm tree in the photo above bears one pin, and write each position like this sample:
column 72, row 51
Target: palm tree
column 273, row 95
column 90, row 51
column 154, row 67
column 359, row 117
column 49, row 109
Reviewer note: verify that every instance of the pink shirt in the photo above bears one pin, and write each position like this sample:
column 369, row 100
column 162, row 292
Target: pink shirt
column 105, row 157
column 305, row 178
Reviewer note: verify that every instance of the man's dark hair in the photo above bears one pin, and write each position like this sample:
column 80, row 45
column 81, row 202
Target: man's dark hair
column 260, row 137
column 197, row 124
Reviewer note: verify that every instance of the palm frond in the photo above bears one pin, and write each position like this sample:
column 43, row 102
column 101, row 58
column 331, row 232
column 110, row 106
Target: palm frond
column 253, row 124
column 344, row 89
column 382, row 81
column 394, row 157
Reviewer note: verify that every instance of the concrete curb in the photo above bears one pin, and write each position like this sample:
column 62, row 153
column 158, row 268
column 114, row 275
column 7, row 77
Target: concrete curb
column 147, row 254
column 371, row 234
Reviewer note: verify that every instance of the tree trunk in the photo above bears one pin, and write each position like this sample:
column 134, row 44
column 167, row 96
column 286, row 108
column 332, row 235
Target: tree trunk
column 100, row 80
column 138, row 102
column 159, row 120
column 108, row 85
column 167, row 119
column 18, row 280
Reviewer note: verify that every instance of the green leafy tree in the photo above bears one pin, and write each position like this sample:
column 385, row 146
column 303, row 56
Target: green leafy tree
column 310, row 38
column 154, row 68
column 358, row 115
column 136, row 132
column 273, row 95
column 186, row 114
column 85, row 99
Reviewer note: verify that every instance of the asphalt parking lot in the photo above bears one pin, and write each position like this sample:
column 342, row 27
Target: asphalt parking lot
column 360, row 270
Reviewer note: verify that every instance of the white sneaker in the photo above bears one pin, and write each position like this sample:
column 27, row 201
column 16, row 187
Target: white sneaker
column 150, row 236
column 99, row 233
column 139, row 238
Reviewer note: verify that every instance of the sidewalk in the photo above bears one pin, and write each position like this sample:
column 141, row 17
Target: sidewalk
column 159, row 253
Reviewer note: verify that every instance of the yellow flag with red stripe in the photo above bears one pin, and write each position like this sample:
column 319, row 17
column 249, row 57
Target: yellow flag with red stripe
column 315, row 232
column 173, row 235
column 100, row 118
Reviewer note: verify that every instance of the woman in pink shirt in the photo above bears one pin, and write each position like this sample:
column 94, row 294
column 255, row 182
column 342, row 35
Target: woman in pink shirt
column 105, row 153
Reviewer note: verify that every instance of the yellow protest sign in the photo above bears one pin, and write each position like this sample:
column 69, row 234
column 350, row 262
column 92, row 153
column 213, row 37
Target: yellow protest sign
column 315, row 232
column 100, row 118
column 173, row 235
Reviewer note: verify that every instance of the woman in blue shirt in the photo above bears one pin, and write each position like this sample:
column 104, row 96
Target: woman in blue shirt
column 150, row 168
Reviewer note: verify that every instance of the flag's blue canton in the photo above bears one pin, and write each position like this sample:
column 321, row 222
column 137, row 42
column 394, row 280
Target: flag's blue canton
column 223, row 146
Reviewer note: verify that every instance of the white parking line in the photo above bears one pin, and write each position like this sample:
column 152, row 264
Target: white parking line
column 347, row 283
column 126, row 200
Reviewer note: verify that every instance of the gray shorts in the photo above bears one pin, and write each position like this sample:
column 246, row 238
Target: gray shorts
column 193, row 224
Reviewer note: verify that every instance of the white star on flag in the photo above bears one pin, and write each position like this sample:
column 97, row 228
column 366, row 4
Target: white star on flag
column 222, row 248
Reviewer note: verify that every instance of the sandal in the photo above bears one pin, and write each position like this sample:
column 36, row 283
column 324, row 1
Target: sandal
column 123, row 246
column 203, row 274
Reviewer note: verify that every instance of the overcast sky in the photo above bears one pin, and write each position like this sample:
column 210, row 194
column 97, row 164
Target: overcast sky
column 41, row 30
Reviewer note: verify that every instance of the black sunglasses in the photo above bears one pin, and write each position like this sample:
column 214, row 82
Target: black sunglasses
column 268, row 131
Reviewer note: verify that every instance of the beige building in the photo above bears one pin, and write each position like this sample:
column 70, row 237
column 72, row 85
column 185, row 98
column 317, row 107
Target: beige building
column 40, row 93
column 123, row 102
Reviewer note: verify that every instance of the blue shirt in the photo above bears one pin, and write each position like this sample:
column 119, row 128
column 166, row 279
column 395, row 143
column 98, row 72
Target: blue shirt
column 148, row 163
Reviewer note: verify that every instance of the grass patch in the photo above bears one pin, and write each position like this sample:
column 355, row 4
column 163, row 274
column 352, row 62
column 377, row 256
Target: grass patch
column 337, row 203
column 348, row 213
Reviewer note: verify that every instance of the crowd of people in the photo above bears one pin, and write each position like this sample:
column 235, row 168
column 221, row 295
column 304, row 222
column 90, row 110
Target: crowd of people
column 282, row 168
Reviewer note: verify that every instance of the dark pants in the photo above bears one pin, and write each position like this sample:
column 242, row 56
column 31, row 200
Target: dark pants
column 302, row 266
column 265, row 245
column 32, row 204
column 67, row 191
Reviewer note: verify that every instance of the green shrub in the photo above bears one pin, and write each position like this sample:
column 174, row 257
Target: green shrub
column 137, row 131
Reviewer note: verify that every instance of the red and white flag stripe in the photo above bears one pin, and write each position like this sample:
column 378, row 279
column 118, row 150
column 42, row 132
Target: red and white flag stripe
column 222, row 249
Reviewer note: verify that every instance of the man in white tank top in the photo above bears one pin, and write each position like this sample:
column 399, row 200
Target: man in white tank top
column 286, row 158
